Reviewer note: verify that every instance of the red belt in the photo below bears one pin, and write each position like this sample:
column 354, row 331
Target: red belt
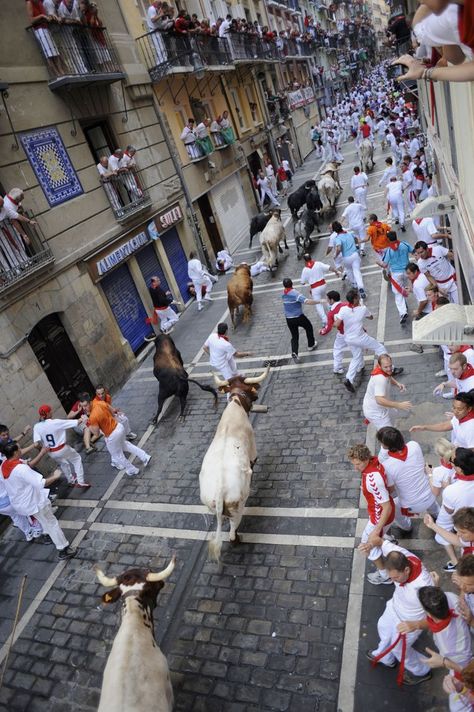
column 318, row 284
column 442, row 281
column 406, row 511
column 161, row 308
column 58, row 447
column 403, row 638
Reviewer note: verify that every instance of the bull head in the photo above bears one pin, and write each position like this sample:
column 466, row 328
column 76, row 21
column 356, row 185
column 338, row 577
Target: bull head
column 249, row 381
column 150, row 576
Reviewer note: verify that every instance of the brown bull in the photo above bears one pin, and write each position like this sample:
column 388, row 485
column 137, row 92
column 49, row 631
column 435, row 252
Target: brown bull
column 240, row 293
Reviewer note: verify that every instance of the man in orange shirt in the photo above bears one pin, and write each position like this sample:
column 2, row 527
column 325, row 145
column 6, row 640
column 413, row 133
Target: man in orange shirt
column 102, row 394
column 377, row 234
column 101, row 418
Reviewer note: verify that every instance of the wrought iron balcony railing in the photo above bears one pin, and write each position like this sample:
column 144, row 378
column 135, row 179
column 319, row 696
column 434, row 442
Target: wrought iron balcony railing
column 77, row 54
column 126, row 193
column 23, row 251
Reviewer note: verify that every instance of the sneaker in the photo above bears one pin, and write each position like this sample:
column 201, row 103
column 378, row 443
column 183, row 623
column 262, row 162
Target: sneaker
column 385, row 275
column 148, row 338
column 67, row 553
column 29, row 536
column 377, row 579
column 410, row 679
column 132, row 436
column 44, row 539
column 397, row 371
column 343, row 277
column 208, row 298
column 450, row 568
column 339, row 373
column 115, row 466
column 362, row 253
column 362, row 293
column 200, row 306
column 295, row 357
column 371, row 657
column 440, row 374
column 82, row 485
column 403, row 318
column 133, row 474
column 349, row 386
column 145, row 462
column 313, row 347
column 403, row 229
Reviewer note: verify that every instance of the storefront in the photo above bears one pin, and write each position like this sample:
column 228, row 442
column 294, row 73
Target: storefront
column 123, row 272
column 230, row 208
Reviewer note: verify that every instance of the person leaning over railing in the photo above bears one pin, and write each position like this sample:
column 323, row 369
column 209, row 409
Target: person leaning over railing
column 40, row 20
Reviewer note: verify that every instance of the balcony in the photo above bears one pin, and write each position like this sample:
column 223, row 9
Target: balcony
column 76, row 55
column 21, row 257
column 297, row 50
column 127, row 194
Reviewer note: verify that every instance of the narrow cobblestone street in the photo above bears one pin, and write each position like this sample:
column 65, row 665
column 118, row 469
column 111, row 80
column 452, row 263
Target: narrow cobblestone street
column 283, row 623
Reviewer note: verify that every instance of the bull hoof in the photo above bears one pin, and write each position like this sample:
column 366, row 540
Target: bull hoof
column 236, row 541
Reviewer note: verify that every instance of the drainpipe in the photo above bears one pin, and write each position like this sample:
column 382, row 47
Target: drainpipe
column 192, row 215
column 266, row 117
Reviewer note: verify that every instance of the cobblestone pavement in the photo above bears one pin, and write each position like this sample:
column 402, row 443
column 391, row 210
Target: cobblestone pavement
column 284, row 622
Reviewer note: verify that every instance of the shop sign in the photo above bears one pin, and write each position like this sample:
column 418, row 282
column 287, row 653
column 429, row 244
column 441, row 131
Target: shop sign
column 164, row 220
column 121, row 253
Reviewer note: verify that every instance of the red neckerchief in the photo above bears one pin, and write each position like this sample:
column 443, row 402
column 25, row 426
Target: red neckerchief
column 8, row 466
column 221, row 336
column 468, row 416
column 127, row 154
column 464, row 347
column 400, row 455
column 438, row 626
column 310, row 264
column 465, row 478
column 430, row 252
column 394, row 245
column 467, row 373
column 378, row 372
column 415, row 569
column 418, row 220
column 287, row 290
column 16, row 202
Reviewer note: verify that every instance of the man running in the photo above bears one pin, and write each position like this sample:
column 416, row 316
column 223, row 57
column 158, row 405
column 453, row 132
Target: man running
column 293, row 303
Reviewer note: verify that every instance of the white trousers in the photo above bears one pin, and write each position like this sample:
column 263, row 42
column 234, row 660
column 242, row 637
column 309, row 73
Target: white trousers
column 376, row 552
column 428, row 504
column 319, row 293
column 360, row 196
column 444, row 520
column 352, row 267
column 338, row 349
column 380, row 421
column 398, row 210
column 357, row 347
column 19, row 520
column 116, row 445
column 400, row 301
column 451, row 288
column 122, row 418
column 51, row 526
column 267, row 192
column 359, row 231
column 198, row 284
column 167, row 318
column 388, row 633
column 70, row 463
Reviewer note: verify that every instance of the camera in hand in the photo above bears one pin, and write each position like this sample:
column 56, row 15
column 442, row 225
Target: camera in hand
column 395, row 71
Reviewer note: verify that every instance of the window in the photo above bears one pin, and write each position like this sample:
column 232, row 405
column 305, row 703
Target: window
column 238, row 108
column 100, row 139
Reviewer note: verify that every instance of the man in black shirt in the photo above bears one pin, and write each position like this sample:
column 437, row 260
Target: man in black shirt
column 161, row 303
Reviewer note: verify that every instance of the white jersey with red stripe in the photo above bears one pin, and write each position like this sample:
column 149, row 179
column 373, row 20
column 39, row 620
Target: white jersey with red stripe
column 454, row 642
column 375, row 490
column 51, row 433
column 406, row 472
column 406, row 604
column 437, row 264
column 315, row 273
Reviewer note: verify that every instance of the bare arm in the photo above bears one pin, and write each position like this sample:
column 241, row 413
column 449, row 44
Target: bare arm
column 433, row 428
column 458, row 73
column 449, row 536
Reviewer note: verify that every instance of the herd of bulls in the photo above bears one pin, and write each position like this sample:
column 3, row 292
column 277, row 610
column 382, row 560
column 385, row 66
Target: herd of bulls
column 136, row 675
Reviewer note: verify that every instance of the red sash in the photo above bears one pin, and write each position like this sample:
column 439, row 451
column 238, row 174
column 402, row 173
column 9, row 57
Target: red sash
column 401, row 290
column 443, row 281
column 403, row 638
column 318, row 284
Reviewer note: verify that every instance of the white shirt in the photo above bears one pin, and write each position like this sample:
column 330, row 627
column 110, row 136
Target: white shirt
column 464, row 385
column 387, row 174
column 459, row 494
column 359, row 181
column 437, row 264
column 414, row 147
column 127, row 161
column 378, row 385
column 406, row 604
column 9, row 209
column 462, row 434
column 424, row 230
column 114, row 163
column 408, row 477
column 25, row 488
column 353, row 319
column 316, row 273
column 103, row 171
column 355, row 215
column 152, row 14
column 392, row 141
column 188, row 136
column 52, row 431
column 394, row 191
column 72, row 14
column 196, row 271
column 221, row 353
column 454, row 642
column 418, row 286
column 224, row 28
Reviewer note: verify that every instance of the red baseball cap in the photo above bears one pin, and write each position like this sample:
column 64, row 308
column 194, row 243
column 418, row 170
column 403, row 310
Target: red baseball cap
column 44, row 409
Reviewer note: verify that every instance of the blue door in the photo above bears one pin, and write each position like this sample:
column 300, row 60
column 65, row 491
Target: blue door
column 127, row 307
column 177, row 259
column 150, row 266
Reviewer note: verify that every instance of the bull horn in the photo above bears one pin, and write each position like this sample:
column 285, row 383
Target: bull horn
column 258, row 379
column 103, row 579
column 161, row 575
column 219, row 383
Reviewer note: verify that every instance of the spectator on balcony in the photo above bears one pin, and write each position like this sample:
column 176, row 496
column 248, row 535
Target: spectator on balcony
column 40, row 19
column 114, row 161
column 106, row 178
column 188, row 136
column 224, row 26
column 216, row 132
column 127, row 167
column 98, row 51
column 13, row 239
column 203, row 140
column 70, row 17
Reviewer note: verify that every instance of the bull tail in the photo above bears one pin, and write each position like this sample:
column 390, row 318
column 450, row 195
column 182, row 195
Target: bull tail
column 215, row 544
column 209, row 389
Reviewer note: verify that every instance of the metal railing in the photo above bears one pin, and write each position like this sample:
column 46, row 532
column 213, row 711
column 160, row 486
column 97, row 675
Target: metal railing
column 23, row 250
column 126, row 193
column 75, row 53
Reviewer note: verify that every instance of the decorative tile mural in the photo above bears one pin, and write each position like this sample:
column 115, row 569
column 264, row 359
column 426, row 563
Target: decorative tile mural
column 50, row 161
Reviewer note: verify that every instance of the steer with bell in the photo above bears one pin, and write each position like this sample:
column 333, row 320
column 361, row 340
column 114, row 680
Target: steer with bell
column 226, row 470
column 136, row 676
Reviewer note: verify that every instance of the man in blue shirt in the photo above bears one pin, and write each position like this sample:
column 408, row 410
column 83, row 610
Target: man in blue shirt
column 395, row 259
column 346, row 245
column 293, row 307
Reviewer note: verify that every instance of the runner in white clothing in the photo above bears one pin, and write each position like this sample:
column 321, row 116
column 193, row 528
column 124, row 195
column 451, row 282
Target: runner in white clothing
column 394, row 195
column 200, row 278
column 222, row 354
column 435, row 262
column 388, row 173
column 418, row 283
column 50, row 433
column 377, row 406
column 359, row 186
column 426, row 230
column 314, row 274
column 354, row 218
column 462, row 375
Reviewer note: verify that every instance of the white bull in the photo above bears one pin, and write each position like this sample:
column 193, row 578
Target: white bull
column 136, row 676
column 366, row 154
column 226, row 470
column 328, row 191
column 270, row 238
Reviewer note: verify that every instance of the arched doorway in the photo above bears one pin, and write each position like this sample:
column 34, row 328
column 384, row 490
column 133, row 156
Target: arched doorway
column 59, row 360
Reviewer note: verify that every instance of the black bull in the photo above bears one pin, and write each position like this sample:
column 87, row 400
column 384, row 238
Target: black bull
column 169, row 371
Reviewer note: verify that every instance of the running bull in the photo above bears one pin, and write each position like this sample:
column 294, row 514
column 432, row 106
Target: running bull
column 240, row 293
column 168, row 369
column 226, row 470
column 136, row 676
